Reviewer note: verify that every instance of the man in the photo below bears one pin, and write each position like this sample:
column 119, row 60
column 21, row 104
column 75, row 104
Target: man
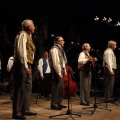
column 84, row 64
column 58, row 61
column 109, row 64
column 45, row 74
column 11, row 73
column 24, row 50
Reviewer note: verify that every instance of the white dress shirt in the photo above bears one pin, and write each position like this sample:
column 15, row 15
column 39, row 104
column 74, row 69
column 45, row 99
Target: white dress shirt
column 82, row 59
column 10, row 63
column 109, row 59
column 40, row 67
column 21, row 49
column 56, row 61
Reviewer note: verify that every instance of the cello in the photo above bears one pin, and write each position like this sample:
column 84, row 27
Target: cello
column 72, row 84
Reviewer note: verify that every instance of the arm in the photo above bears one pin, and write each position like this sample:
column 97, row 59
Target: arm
column 21, row 48
column 56, row 61
column 82, row 59
column 108, row 60
column 40, row 68
column 10, row 64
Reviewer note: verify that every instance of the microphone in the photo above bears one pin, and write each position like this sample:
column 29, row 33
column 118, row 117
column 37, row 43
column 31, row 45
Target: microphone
column 118, row 49
column 94, row 50
column 74, row 43
column 52, row 35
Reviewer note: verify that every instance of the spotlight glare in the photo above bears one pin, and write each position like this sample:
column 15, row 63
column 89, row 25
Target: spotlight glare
column 104, row 19
column 117, row 24
column 96, row 18
column 109, row 19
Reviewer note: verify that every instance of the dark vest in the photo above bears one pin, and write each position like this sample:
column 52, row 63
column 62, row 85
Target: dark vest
column 61, row 57
column 45, row 64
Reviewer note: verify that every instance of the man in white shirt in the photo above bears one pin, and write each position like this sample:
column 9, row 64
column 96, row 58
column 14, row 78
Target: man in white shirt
column 24, row 51
column 84, row 64
column 58, row 62
column 45, row 75
column 11, row 72
column 109, row 64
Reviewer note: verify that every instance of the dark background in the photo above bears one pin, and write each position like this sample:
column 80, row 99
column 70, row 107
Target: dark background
column 74, row 20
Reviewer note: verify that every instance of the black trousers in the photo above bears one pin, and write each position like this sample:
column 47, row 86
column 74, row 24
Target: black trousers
column 45, row 86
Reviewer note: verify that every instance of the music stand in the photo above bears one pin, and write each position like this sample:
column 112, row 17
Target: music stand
column 68, row 112
column 95, row 103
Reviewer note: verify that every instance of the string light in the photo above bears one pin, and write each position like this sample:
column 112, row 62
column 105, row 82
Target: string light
column 96, row 18
column 117, row 24
column 107, row 20
column 104, row 19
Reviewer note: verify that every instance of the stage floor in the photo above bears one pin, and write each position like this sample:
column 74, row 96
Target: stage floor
column 42, row 107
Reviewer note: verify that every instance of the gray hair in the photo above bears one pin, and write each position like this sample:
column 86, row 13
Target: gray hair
column 26, row 23
column 111, row 42
column 57, row 38
column 84, row 45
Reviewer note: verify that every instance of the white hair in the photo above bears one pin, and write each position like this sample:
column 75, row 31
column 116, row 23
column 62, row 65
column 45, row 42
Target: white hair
column 57, row 38
column 84, row 45
column 111, row 42
column 26, row 23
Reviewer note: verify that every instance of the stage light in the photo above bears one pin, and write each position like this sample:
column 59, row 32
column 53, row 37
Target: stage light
column 117, row 24
column 96, row 18
column 104, row 19
column 109, row 20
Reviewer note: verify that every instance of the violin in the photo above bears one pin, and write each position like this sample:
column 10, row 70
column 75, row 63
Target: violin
column 90, row 65
column 69, row 84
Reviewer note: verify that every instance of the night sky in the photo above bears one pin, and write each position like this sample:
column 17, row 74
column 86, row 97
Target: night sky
column 74, row 20
column 61, row 15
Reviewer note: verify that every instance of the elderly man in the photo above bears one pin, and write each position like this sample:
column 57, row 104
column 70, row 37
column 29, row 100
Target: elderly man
column 109, row 64
column 11, row 73
column 58, row 62
column 24, row 50
column 84, row 64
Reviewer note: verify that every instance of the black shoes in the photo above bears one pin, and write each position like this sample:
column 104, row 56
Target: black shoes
column 29, row 113
column 11, row 97
column 62, row 106
column 54, row 107
column 110, row 100
column 85, row 104
column 18, row 117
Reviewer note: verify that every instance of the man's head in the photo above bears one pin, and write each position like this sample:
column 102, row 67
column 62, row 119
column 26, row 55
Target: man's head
column 28, row 25
column 86, row 47
column 59, row 40
column 112, row 44
column 45, row 54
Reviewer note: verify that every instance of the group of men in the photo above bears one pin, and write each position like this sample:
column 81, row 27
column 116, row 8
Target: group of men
column 24, row 51
column 86, row 63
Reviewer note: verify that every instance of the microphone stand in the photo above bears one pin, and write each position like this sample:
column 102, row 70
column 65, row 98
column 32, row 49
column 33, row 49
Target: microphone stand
column 95, row 104
column 68, row 112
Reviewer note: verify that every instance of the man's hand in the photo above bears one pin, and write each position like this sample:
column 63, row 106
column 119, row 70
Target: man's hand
column 28, row 71
column 60, row 76
column 42, row 77
column 112, row 73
